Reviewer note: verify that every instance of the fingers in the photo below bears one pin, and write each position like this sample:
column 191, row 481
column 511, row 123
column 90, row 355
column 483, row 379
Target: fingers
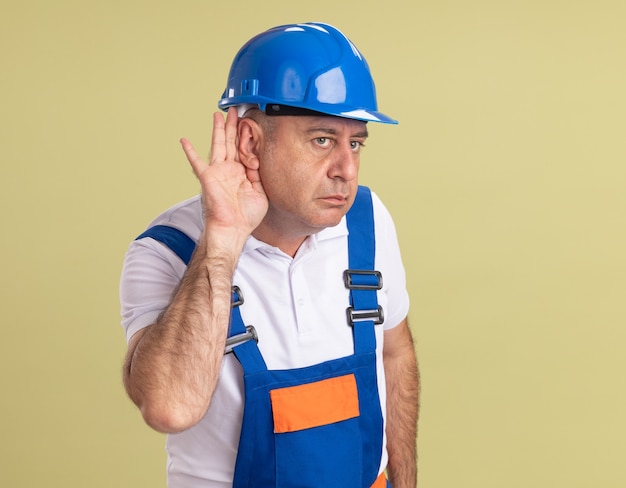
column 232, row 121
column 224, row 139
column 223, row 143
column 218, row 139
column 196, row 162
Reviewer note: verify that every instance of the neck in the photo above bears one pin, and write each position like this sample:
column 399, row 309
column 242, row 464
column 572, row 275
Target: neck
column 287, row 234
column 289, row 244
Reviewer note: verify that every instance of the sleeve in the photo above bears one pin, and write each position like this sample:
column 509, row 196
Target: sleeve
column 389, row 262
column 150, row 275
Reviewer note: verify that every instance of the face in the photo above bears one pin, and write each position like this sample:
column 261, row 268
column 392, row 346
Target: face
column 309, row 169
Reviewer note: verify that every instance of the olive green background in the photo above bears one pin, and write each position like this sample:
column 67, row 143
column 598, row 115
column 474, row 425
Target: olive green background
column 506, row 178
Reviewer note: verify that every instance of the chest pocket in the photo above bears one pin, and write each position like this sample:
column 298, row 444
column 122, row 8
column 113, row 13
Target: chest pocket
column 312, row 405
column 317, row 428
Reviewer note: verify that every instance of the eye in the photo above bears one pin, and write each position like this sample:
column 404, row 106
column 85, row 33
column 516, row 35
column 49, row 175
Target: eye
column 356, row 145
column 322, row 141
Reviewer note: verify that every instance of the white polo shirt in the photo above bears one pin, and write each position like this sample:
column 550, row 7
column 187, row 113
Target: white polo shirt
column 297, row 305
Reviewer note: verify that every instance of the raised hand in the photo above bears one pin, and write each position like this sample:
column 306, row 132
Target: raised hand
column 232, row 194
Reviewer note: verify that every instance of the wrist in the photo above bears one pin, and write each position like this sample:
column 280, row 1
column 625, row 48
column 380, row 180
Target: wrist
column 221, row 248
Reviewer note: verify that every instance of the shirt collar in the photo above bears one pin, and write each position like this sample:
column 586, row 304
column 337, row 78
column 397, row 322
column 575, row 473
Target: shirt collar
column 339, row 230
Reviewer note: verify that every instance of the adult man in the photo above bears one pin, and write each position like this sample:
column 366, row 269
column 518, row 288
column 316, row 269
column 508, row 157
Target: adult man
column 307, row 405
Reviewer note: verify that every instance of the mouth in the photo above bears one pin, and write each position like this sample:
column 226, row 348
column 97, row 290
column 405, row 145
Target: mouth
column 335, row 200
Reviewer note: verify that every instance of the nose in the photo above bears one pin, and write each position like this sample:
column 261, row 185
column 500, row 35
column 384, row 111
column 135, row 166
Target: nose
column 345, row 162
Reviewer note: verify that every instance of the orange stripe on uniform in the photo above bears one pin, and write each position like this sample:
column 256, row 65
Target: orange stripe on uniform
column 381, row 481
column 315, row 404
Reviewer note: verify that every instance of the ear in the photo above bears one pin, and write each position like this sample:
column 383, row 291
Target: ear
column 250, row 142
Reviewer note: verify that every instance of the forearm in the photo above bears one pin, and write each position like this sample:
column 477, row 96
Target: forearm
column 402, row 379
column 172, row 370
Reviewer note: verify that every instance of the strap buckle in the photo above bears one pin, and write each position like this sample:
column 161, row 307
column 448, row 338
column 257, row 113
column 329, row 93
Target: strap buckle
column 249, row 334
column 236, row 297
column 362, row 279
column 362, row 315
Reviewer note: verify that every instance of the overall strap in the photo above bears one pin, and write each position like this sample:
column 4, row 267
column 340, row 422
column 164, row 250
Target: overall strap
column 183, row 246
column 361, row 278
column 180, row 243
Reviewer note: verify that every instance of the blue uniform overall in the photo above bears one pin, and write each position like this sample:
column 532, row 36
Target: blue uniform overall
column 321, row 425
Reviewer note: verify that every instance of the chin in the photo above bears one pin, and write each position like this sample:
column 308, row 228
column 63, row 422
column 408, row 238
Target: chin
column 328, row 221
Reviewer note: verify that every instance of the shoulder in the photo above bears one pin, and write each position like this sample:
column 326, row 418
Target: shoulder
column 146, row 256
column 185, row 216
column 382, row 218
column 151, row 270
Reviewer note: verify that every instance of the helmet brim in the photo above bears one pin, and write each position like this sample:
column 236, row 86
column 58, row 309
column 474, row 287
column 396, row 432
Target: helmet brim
column 279, row 109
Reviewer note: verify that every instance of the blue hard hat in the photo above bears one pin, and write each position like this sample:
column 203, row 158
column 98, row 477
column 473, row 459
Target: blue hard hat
column 297, row 68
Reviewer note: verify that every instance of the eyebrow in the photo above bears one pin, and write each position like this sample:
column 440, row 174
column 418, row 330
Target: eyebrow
column 331, row 131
